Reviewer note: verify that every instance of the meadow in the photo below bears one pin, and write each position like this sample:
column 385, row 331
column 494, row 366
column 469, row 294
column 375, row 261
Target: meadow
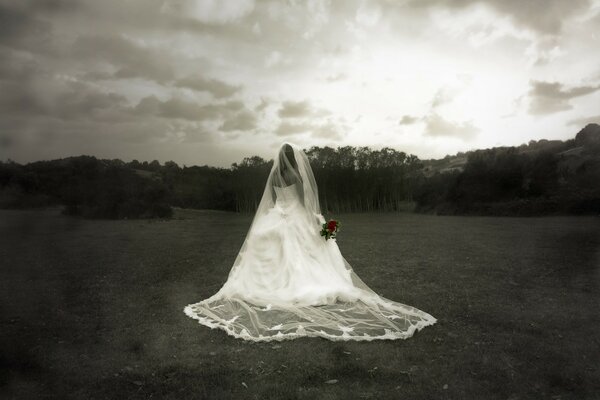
column 93, row 309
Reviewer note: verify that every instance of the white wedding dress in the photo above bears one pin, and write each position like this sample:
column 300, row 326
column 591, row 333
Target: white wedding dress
column 288, row 281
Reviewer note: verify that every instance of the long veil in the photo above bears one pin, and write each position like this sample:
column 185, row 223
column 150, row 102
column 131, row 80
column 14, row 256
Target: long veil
column 359, row 314
column 291, row 165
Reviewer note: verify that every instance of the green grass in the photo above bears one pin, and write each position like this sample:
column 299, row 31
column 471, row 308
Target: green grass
column 94, row 310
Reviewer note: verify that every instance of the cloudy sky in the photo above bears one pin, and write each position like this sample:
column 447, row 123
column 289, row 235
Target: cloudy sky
column 209, row 82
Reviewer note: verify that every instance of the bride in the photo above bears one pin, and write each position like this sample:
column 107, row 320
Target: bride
column 288, row 281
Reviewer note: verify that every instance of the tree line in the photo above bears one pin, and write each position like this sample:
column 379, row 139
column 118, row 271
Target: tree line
column 85, row 186
column 540, row 178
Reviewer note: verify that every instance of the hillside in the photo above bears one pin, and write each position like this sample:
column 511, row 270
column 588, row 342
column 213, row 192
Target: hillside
column 539, row 178
column 573, row 149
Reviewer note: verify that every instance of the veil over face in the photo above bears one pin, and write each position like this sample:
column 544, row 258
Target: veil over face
column 291, row 166
column 288, row 282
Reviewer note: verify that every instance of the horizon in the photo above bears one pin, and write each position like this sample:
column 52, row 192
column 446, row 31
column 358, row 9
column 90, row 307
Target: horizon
column 162, row 162
column 200, row 82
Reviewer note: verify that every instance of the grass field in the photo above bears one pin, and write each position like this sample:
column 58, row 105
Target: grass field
column 94, row 310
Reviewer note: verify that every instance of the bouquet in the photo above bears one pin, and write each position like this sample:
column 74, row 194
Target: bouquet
column 330, row 229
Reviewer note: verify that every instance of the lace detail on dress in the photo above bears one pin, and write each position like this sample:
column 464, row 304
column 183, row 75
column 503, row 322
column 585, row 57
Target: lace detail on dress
column 356, row 322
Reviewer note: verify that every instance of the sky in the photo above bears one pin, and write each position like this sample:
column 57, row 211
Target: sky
column 209, row 82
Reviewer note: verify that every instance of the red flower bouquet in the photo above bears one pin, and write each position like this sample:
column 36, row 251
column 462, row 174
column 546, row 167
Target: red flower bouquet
column 330, row 229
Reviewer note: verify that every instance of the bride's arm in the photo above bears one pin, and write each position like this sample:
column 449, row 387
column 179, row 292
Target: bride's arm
column 320, row 219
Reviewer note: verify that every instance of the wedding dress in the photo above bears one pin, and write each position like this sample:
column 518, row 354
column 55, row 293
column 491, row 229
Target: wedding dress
column 288, row 281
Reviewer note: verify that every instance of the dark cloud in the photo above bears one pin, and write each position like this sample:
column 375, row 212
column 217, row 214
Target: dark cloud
column 436, row 125
column 82, row 102
column 408, row 120
column 128, row 59
column 300, row 109
column 17, row 94
column 21, row 29
column 326, row 130
column 264, row 103
column 50, row 6
column 306, row 119
column 14, row 22
column 184, row 109
column 198, row 136
column 15, row 67
column 242, row 121
column 210, row 12
column 192, row 111
column 544, row 16
column 17, row 100
column 150, row 105
column 217, row 88
column 287, row 128
column 293, row 109
column 552, row 97
column 31, row 92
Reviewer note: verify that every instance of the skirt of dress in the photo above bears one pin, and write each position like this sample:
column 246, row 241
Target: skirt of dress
column 288, row 282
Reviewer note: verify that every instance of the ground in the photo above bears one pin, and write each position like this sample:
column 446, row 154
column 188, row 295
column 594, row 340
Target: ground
column 93, row 309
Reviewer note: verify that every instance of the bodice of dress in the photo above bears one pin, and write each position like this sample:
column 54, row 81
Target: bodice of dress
column 286, row 196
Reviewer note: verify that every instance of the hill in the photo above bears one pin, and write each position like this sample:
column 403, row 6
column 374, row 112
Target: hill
column 539, row 178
